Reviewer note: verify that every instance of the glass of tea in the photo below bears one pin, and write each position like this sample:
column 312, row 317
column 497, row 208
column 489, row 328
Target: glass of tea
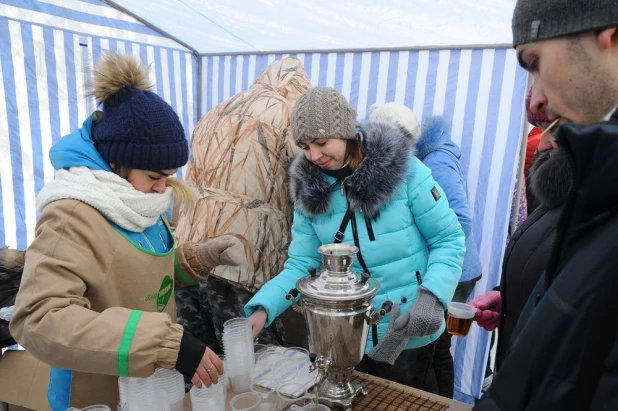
column 459, row 319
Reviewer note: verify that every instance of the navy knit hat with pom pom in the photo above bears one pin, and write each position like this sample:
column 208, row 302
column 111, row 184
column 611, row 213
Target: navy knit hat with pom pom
column 138, row 129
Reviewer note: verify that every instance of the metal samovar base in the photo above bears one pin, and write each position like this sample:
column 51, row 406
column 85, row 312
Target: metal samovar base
column 339, row 393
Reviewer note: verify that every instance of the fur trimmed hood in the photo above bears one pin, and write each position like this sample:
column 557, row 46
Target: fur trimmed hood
column 388, row 150
column 434, row 136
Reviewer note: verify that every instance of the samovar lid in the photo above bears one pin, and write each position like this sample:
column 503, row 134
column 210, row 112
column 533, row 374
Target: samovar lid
column 336, row 282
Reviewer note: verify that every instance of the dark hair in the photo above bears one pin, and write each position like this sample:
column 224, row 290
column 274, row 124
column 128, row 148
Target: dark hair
column 354, row 153
column 122, row 171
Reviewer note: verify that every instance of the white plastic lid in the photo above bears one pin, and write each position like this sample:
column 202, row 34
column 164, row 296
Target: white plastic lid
column 461, row 310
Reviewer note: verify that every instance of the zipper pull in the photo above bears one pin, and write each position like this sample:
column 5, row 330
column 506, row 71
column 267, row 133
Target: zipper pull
column 342, row 188
column 418, row 278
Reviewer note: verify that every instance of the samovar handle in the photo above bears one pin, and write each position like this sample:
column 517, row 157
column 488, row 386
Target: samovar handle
column 291, row 296
column 386, row 308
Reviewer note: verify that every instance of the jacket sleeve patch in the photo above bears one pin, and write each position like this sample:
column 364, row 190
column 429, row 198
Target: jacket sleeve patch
column 435, row 193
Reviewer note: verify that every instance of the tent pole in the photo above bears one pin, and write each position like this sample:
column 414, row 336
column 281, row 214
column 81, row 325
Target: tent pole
column 364, row 50
column 199, row 89
column 150, row 25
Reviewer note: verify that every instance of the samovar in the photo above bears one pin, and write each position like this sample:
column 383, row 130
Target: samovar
column 337, row 305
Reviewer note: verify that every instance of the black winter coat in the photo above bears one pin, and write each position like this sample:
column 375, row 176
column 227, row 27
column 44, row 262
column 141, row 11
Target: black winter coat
column 565, row 355
column 525, row 260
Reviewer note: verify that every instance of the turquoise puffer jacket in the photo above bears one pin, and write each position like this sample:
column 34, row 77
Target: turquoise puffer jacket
column 414, row 227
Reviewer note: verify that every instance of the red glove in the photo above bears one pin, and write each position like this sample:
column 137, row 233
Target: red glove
column 487, row 310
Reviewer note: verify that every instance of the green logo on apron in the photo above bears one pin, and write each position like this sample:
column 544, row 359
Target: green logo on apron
column 165, row 292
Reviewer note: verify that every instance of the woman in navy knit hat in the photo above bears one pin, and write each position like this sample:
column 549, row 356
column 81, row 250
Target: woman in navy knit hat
column 96, row 300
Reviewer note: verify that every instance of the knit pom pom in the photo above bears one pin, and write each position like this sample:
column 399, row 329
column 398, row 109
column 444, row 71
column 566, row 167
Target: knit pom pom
column 113, row 72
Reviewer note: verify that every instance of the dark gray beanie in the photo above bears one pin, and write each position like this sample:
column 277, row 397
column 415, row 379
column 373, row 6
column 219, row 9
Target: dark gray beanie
column 535, row 20
column 322, row 112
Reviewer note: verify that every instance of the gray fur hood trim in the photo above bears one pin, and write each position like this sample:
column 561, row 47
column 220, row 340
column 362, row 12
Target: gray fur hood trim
column 387, row 153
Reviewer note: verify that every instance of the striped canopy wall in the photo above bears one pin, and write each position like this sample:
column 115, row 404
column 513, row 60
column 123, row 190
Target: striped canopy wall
column 481, row 92
column 46, row 50
column 46, row 45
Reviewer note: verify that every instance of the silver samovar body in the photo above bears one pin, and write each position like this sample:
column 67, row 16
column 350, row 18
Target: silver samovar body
column 337, row 306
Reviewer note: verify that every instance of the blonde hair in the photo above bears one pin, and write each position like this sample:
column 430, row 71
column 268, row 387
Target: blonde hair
column 184, row 195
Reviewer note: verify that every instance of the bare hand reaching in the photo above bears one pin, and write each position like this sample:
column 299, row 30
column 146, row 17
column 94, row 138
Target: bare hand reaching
column 209, row 370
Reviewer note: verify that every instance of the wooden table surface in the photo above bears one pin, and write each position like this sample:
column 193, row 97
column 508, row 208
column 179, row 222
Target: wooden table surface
column 386, row 395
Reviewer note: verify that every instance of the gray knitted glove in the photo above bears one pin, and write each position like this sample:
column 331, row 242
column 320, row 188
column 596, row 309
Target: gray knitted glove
column 224, row 250
column 423, row 318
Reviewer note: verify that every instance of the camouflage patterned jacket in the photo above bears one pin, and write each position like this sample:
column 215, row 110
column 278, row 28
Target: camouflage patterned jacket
column 240, row 151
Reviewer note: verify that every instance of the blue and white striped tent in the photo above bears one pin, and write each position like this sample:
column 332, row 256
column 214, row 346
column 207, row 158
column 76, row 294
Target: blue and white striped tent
column 202, row 52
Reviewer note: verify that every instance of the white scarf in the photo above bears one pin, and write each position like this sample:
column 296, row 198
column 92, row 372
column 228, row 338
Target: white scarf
column 110, row 194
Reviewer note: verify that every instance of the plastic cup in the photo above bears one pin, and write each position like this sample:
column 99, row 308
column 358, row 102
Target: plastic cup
column 459, row 319
column 248, row 401
column 310, row 407
column 173, row 384
column 290, row 393
column 236, row 323
column 299, row 354
column 266, row 362
column 266, row 388
column 285, row 370
column 241, row 383
column 259, row 349
column 208, row 398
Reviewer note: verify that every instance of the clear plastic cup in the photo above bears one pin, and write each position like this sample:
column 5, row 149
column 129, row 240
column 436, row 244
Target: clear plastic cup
column 459, row 319
column 290, row 393
column 208, row 398
column 173, row 384
column 259, row 349
column 266, row 362
column 285, row 370
column 235, row 323
column 241, row 383
column 248, row 401
column 139, row 393
column 310, row 407
column 297, row 353
column 266, row 388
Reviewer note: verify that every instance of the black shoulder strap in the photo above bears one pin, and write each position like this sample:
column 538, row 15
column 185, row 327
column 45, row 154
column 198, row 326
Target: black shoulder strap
column 344, row 224
column 349, row 215
column 361, row 261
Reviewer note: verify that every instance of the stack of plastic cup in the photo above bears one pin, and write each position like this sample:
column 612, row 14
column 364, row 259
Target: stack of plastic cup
column 208, row 398
column 239, row 356
column 139, row 394
column 173, row 384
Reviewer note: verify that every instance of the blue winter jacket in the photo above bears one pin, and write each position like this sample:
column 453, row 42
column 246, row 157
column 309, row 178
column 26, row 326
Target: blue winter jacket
column 414, row 227
column 436, row 150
